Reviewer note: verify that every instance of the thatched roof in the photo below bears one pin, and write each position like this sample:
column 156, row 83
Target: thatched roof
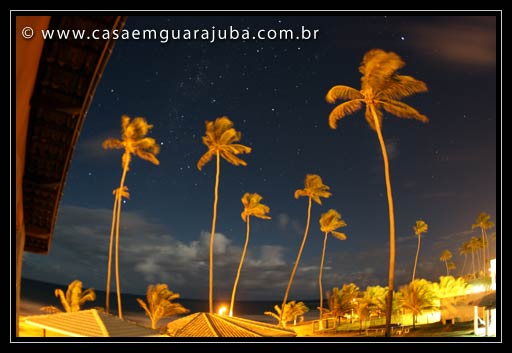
column 214, row 325
column 89, row 323
column 68, row 74
column 488, row 301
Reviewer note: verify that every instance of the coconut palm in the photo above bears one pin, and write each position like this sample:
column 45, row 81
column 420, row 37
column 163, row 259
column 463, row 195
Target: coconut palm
column 291, row 311
column 473, row 245
column 134, row 142
column 449, row 286
column 159, row 303
column 417, row 296
column 445, row 256
column 382, row 88
column 342, row 301
column 463, row 250
column 483, row 221
column 329, row 222
column 74, row 298
column 252, row 207
column 419, row 228
column 220, row 138
column 314, row 189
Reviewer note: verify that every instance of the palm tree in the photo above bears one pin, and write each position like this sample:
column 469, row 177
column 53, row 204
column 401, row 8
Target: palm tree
column 329, row 222
column 451, row 266
column 474, row 245
column 314, row 189
column 342, row 301
column 483, row 221
column 220, row 139
column 134, row 141
column 291, row 311
column 450, row 286
column 252, row 207
column 159, row 303
column 463, row 250
column 381, row 88
column 73, row 299
column 419, row 227
column 418, row 296
column 445, row 256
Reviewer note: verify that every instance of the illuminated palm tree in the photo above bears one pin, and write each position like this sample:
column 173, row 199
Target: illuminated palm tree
column 329, row 222
column 252, row 207
column 159, row 303
column 419, row 227
column 381, row 89
column 445, row 256
column 134, row 141
column 451, row 266
column 291, row 311
column 463, row 250
column 73, row 299
column 314, row 189
column 418, row 296
column 483, row 221
column 220, row 138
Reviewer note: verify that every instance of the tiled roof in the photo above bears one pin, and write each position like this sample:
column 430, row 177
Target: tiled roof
column 213, row 325
column 89, row 323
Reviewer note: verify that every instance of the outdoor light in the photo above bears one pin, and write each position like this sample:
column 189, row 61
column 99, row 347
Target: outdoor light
column 222, row 310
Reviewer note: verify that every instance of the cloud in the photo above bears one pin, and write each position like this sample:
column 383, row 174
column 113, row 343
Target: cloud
column 459, row 41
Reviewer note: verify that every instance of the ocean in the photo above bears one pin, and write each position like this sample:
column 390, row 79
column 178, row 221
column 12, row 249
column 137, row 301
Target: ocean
column 35, row 294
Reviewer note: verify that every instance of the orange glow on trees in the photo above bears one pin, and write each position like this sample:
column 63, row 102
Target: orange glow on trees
column 134, row 141
column 159, row 303
column 220, row 139
column 419, row 228
column 314, row 189
column 382, row 88
column 252, row 207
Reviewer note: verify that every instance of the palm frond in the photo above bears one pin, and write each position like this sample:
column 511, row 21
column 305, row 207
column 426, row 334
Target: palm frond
column 253, row 207
column 420, row 227
column 401, row 86
column 147, row 156
column 342, row 92
column 144, row 306
column 342, row 110
column 231, row 158
column 340, row 236
column 137, row 128
column 112, row 143
column 205, row 158
column 229, row 136
column 402, row 110
column 148, row 144
column 377, row 67
column 50, row 309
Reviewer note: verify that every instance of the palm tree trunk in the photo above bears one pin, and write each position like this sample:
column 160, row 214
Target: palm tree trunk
column 463, row 266
column 109, row 265
column 473, row 260
column 391, row 278
column 297, row 260
column 320, row 279
column 446, row 264
column 119, row 203
column 240, row 267
column 484, row 246
column 416, row 260
column 478, row 261
column 212, row 236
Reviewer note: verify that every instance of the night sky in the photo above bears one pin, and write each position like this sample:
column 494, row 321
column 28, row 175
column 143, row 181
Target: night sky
column 443, row 172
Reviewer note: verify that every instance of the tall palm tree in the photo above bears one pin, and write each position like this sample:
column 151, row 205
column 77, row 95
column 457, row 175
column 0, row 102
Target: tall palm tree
column 483, row 221
column 382, row 88
column 159, row 303
column 329, row 223
column 314, row 189
column 463, row 250
column 134, row 142
column 451, row 266
column 474, row 245
column 419, row 228
column 252, row 207
column 445, row 256
column 220, row 138
column 74, row 298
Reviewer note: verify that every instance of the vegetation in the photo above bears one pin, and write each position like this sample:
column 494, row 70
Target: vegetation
column 419, row 228
column 134, row 141
column 445, row 256
column 417, row 296
column 342, row 301
column 252, row 207
column 73, row 299
column 329, row 223
column 159, row 303
column 292, row 310
column 220, row 138
column 382, row 88
column 314, row 189
column 483, row 221
column 450, row 286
